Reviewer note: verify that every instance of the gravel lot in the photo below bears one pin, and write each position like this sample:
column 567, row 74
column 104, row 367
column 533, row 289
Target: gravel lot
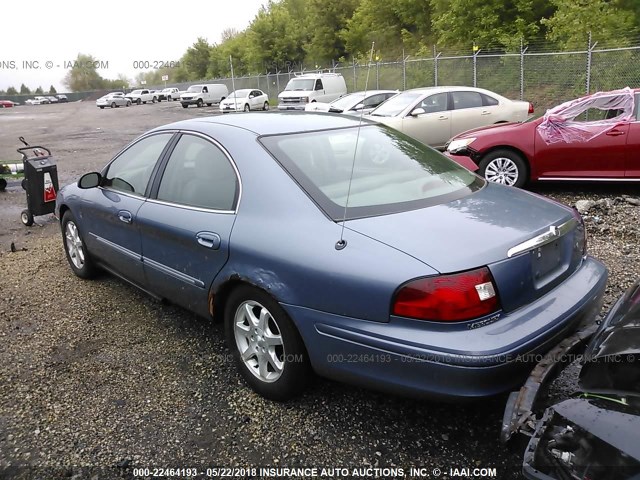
column 96, row 374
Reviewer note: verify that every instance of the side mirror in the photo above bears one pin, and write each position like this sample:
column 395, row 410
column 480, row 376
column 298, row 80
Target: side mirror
column 418, row 111
column 90, row 180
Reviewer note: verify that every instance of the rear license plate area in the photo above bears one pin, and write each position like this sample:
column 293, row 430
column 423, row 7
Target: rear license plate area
column 547, row 263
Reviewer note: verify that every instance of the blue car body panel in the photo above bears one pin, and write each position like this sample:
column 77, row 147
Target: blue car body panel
column 279, row 240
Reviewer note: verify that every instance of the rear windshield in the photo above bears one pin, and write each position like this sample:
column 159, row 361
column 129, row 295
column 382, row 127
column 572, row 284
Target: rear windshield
column 391, row 171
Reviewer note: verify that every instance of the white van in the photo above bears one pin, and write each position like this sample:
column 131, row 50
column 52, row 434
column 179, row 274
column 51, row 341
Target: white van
column 209, row 93
column 311, row 87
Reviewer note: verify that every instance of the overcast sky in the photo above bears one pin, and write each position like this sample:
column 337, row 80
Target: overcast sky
column 118, row 32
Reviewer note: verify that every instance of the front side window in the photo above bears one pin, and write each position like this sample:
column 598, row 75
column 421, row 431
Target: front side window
column 434, row 103
column 391, row 171
column 319, row 85
column 199, row 174
column 131, row 170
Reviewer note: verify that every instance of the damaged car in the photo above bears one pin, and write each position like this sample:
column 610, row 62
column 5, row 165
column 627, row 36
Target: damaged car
column 593, row 138
column 595, row 434
column 336, row 246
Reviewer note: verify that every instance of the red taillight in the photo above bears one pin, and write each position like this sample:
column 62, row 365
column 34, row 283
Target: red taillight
column 530, row 108
column 448, row 298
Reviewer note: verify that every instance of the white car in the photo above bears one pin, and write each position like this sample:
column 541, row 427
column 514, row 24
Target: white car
column 355, row 103
column 169, row 94
column 113, row 100
column 142, row 95
column 32, row 101
column 435, row 114
column 245, row 100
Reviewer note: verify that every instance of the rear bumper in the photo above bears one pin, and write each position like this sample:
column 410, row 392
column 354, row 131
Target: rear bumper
column 416, row 358
column 292, row 106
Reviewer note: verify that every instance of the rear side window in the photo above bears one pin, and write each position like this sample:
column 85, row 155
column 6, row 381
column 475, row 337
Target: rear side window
column 131, row 170
column 466, row 100
column 199, row 174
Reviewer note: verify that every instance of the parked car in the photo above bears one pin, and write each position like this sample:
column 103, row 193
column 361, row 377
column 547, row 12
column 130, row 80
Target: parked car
column 42, row 100
column 245, row 100
column 7, row 104
column 433, row 115
column 52, row 99
column 356, row 103
column 169, row 94
column 591, row 138
column 595, row 433
column 62, row 98
column 113, row 100
column 311, row 87
column 33, row 101
column 198, row 95
column 340, row 246
column 141, row 96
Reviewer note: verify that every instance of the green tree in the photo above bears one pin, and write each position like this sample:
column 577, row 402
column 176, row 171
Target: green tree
column 196, row 59
column 24, row 90
column 12, row 91
column 488, row 23
column 329, row 19
column 39, row 91
column 607, row 20
column 52, row 90
column 83, row 75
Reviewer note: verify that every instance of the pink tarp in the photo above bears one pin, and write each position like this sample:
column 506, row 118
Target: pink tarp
column 558, row 124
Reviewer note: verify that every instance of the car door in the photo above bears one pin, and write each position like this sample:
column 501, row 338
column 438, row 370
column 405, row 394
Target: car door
column 185, row 227
column 472, row 110
column 109, row 213
column 257, row 100
column 433, row 125
column 603, row 156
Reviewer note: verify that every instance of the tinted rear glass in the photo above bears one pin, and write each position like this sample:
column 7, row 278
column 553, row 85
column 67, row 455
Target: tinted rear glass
column 391, row 171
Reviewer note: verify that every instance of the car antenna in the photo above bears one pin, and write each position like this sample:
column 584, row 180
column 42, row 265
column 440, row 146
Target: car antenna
column 340, row 244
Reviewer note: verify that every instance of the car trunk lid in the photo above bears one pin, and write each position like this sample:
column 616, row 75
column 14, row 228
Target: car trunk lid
column 497, row 227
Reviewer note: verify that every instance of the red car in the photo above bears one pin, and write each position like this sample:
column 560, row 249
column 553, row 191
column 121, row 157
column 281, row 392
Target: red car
column 6, row 104
column 595, row 138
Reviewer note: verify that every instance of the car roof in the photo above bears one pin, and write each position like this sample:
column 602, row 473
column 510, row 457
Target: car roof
column 449, row 88
column 272, row 123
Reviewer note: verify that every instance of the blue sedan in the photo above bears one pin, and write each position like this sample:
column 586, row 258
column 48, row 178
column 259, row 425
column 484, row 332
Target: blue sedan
column 337, row 247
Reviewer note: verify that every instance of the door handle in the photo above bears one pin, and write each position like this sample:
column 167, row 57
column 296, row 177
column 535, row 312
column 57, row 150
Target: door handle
column 484, row 112
column 443, row 117
column 614, row 133
column 209, row 240
column 125, row 216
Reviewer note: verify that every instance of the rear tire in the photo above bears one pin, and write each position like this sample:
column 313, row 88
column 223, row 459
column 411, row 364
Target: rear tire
column 113, row 104
column 184, row 105
column 138, row 102
column 265, row 344
column 74, row 247
column 505, row 167
column 101, row 108
column 128, row 103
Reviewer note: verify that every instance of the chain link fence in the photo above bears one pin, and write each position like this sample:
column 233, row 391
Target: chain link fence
column 541, row 77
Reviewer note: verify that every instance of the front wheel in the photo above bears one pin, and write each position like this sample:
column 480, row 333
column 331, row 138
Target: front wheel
column 128, row 103
column 154, row 100
column 113, row 104
column 200, row 103
column 247, row 108
column 266, row 106
column 266, row 345
column 26, row 217
column 185, row 105
column 74, row 247
column 505, row 167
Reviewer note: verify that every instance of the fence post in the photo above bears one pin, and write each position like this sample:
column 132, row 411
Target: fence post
column 404, row 71
column 435, row 66
column 377, row 75
column 355, row 83
column 476, row 51
column 590, row 49
column 523, row 49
